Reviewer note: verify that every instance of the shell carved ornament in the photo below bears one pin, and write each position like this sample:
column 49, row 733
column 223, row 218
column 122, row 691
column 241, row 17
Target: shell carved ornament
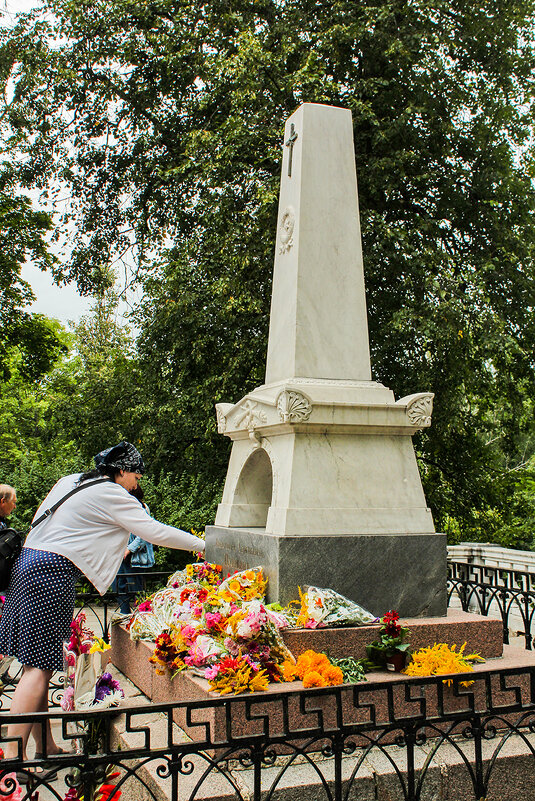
column 293, row 407
column 420, row 410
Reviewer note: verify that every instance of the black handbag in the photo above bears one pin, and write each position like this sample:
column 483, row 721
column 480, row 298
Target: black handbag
column 11, row 540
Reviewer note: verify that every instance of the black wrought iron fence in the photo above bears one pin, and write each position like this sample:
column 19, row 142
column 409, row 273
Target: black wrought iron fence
column 496, row 592
column 106, row 607
column 486, row 590
column 411, row 740
column 101, row 610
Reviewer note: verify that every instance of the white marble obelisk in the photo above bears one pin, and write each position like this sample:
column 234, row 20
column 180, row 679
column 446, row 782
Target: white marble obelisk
column 322, row 485
column 318, row 327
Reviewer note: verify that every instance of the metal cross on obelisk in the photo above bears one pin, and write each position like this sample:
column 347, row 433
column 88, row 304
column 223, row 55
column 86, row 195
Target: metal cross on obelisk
column 290, row 143
column 322, row 485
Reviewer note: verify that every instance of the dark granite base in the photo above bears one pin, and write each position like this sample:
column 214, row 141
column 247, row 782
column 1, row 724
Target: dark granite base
column 406, row 572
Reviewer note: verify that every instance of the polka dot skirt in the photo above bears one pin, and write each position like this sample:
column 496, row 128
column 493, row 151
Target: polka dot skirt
column 38, row 610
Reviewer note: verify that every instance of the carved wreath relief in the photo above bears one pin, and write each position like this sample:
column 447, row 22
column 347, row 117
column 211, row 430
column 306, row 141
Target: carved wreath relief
column 420, row 410
column 286, row 229
column 293, row 407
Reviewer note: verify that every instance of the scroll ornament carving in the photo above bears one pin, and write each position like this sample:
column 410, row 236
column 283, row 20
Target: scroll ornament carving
column 294, row 407
column 420, row 410
column 286, row 230
column 250, row 415
column 221, row 421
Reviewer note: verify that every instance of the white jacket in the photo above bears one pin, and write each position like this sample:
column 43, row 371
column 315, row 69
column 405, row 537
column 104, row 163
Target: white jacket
column 92, row 529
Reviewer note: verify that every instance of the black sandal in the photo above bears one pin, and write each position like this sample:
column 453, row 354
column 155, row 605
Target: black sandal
column 41, row 755
column 24, row 777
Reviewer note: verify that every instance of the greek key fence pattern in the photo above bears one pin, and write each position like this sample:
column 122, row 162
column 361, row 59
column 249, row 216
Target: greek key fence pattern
column 249, row 747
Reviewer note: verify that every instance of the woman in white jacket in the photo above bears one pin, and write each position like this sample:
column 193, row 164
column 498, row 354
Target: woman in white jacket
column 87, row 534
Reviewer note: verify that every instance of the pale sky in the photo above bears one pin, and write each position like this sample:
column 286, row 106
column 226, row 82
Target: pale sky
column 63, row 303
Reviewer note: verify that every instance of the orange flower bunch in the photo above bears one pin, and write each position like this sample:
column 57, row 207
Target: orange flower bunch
column 440, row 660
column 314, row 669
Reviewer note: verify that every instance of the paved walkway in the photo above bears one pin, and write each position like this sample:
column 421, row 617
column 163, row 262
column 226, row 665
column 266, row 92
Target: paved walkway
column 94, row 621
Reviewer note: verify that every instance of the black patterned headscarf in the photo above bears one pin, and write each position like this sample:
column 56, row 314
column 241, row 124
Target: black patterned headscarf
column 122, row 456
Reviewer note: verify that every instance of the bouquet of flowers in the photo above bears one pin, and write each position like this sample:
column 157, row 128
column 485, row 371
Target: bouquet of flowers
column 314, row 669
column 245, row 585
column 107, row 692
column 205, row 573
column 441, row 659
column 80, row 641
column 155, row 614
column 237, row 675
column 321, row 608
column 84, row 657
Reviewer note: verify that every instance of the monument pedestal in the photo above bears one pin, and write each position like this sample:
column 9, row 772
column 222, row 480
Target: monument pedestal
column 376, row 571
column 323, row 486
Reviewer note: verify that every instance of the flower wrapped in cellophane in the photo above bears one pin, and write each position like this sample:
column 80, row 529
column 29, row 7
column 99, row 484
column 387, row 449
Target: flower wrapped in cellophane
column 320, row 608
column 245, row 585
column 106, row 693
column 205, row 573
column 155, row 614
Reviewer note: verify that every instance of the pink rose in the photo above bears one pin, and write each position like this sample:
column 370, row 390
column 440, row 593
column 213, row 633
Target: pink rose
column 211, row 672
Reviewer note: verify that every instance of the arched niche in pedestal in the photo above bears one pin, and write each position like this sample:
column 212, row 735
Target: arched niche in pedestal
column 254, row 490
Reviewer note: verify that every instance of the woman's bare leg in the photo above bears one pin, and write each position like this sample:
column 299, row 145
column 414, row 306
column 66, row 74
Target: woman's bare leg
column 37, row 730
column 30, row 696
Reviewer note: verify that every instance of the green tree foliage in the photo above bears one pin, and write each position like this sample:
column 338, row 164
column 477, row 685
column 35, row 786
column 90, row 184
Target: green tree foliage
column 163, row 120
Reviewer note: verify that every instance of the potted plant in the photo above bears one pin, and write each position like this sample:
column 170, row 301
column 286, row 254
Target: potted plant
column 390, row 650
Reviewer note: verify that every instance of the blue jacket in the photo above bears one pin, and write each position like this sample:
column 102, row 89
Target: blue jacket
column 142, row 552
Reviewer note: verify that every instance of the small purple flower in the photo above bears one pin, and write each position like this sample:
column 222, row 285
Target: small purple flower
column 106, row 685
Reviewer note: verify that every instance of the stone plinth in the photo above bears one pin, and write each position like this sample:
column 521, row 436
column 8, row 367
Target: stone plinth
column 376, row 571
column 482, row 635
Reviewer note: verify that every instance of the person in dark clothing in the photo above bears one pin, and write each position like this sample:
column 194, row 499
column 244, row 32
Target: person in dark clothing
column 8, row 502
column 138, row 558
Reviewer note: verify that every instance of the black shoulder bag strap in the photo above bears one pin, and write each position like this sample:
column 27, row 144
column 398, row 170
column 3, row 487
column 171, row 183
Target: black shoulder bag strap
column 53, row 508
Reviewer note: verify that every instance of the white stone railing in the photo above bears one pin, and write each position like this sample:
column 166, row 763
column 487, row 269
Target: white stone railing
column 490, row 555
column 494, row 557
